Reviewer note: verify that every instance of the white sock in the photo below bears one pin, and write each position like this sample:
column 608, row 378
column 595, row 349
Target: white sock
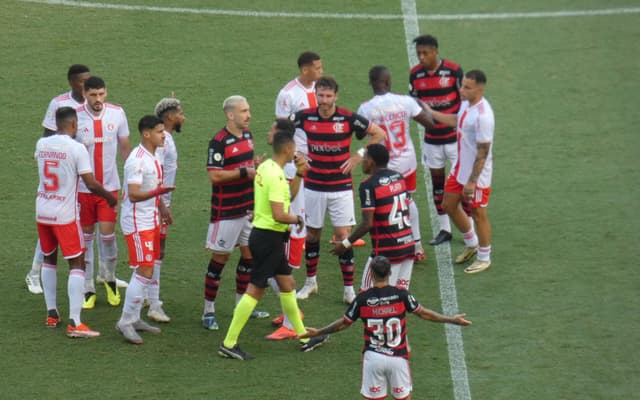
column 50, row 285
column 310, row 280
column 209, row 306
column 349, row 289
column 445, row 223
column 153, row 289
column 470, row 238
column 38, row 259
column 133, row 298
column 108, row 250
column 89, row 285
column 75, row 290
column 484, row 253
column 414, row 217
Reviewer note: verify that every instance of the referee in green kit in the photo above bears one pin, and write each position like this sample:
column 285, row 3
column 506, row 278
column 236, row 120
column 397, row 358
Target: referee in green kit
column 267, row 244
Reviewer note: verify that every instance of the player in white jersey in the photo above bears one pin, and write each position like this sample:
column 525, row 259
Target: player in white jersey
column 471, row 175
column 169, row 110
column 298, row 94
column 61, row 160
column 76, row 75
column 103, row 129
column 393, row 113
column 142, row 213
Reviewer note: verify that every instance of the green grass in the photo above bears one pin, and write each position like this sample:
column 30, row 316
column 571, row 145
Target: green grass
column 554, row 318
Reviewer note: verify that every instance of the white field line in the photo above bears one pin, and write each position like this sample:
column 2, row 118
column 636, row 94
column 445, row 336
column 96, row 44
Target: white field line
column 274, row 14
column 448, row 295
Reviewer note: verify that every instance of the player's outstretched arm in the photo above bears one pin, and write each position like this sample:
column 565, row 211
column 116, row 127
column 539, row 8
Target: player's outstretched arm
column 434, row 316
column 96, row 188
column 447, row 119
column 365, row 225
column 136, row 194
column 335, row 326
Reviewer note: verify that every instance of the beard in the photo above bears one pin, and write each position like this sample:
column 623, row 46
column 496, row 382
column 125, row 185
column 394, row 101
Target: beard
column 178, row 128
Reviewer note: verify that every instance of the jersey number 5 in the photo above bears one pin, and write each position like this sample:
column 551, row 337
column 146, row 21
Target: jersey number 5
column 51, row 183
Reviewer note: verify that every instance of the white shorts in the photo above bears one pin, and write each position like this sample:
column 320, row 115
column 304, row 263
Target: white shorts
column 339, row 204
column 224, row 235
column 435, row 156
column 400, row 275
column 381, row 374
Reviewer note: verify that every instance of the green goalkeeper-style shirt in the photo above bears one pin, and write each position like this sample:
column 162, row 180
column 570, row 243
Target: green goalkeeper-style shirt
column 270, row 185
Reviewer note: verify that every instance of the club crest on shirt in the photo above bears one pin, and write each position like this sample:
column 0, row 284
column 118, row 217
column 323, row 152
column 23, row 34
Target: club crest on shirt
column 111, row 127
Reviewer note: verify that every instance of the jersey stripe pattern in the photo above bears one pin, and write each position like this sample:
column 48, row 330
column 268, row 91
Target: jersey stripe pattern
column 383, row 311
column 441, row 91
column 233, row 199
column 328, row 145
column 385, row 194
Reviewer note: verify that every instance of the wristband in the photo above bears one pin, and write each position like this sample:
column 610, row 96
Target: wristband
column 243, row 172
column 298, row 174
column 346, row 243
column 361, row 151
column 155, row 192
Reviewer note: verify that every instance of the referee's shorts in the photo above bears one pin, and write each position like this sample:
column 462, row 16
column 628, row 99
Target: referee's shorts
column 269, row 256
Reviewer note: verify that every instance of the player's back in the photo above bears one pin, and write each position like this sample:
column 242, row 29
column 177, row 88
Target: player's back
column 62, row 100
column 60, row 162
column 294, row 97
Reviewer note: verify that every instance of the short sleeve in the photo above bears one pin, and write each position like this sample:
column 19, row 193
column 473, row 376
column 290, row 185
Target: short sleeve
column 49, row 120
column 367, row 196
column 215, row 158
column 486, row 125
column 353, row 311
column 410, row 302
column 133, row 171
column 277, row 185
column 413, row 106
column 361, row 125
column 123, row 129
column 83, row 160
column 283, row 105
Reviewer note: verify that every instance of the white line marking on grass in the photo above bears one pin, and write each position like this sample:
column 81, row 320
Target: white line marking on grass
column 448, row 295
column 274, row 14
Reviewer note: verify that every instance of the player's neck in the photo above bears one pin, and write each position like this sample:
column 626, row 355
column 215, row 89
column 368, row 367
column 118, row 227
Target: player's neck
column 327, row 113
column 149, row 147
column 473, row 102
column 280, row 159
column 237, row 132
column 307, row 83
column 435, row 67
column 78, row 97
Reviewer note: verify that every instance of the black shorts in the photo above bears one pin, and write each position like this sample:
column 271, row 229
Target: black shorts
column 269, row 257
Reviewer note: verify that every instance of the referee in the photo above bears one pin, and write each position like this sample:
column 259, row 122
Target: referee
column 267, row 244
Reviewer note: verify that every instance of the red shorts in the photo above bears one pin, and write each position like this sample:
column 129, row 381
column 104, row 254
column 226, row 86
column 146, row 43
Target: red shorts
column 480, row 197
column 410, row 181
column 94, row 208
column 294, row 250
column 144, row 248
column 68, row 236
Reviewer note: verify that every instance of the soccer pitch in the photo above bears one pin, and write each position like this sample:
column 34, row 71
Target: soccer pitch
column 554, row 318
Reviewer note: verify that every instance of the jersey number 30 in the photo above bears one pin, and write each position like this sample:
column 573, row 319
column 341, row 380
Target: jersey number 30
column 389, row 332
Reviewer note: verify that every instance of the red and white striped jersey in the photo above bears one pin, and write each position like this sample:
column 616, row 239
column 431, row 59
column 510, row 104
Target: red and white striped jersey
column 393, row 113
column 100, row 135
column 144, row 169
column 61, row 160
column 63, row 100
column 475, row 125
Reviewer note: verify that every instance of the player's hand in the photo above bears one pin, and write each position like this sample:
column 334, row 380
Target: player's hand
column 350, row 164
column 311, row 332
column 302, row 164
column 165, row 214
column 425, row 106
column 468, row 190
column 459, row 319
column 258, row 160
column 300, row 224
column 338, row 248
column 166, row 189
column 112, row 200
column 251, row 172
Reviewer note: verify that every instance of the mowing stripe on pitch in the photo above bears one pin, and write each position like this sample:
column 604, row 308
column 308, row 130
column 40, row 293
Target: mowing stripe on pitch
column 448, row 295
column 275, row 14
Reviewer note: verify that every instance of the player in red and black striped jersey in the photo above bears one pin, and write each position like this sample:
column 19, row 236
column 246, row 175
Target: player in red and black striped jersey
column 326, row 132
column 436, row 82
column 384, row 204
column 232, row 167
column 383, row 310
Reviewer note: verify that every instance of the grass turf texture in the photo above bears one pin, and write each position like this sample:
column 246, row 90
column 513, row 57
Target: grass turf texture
column 555, row 316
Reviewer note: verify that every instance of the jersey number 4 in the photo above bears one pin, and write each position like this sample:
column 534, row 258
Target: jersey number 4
column 51, row 183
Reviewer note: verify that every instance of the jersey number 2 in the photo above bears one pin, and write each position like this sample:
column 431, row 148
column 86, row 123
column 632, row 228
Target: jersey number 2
column 51, row 183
